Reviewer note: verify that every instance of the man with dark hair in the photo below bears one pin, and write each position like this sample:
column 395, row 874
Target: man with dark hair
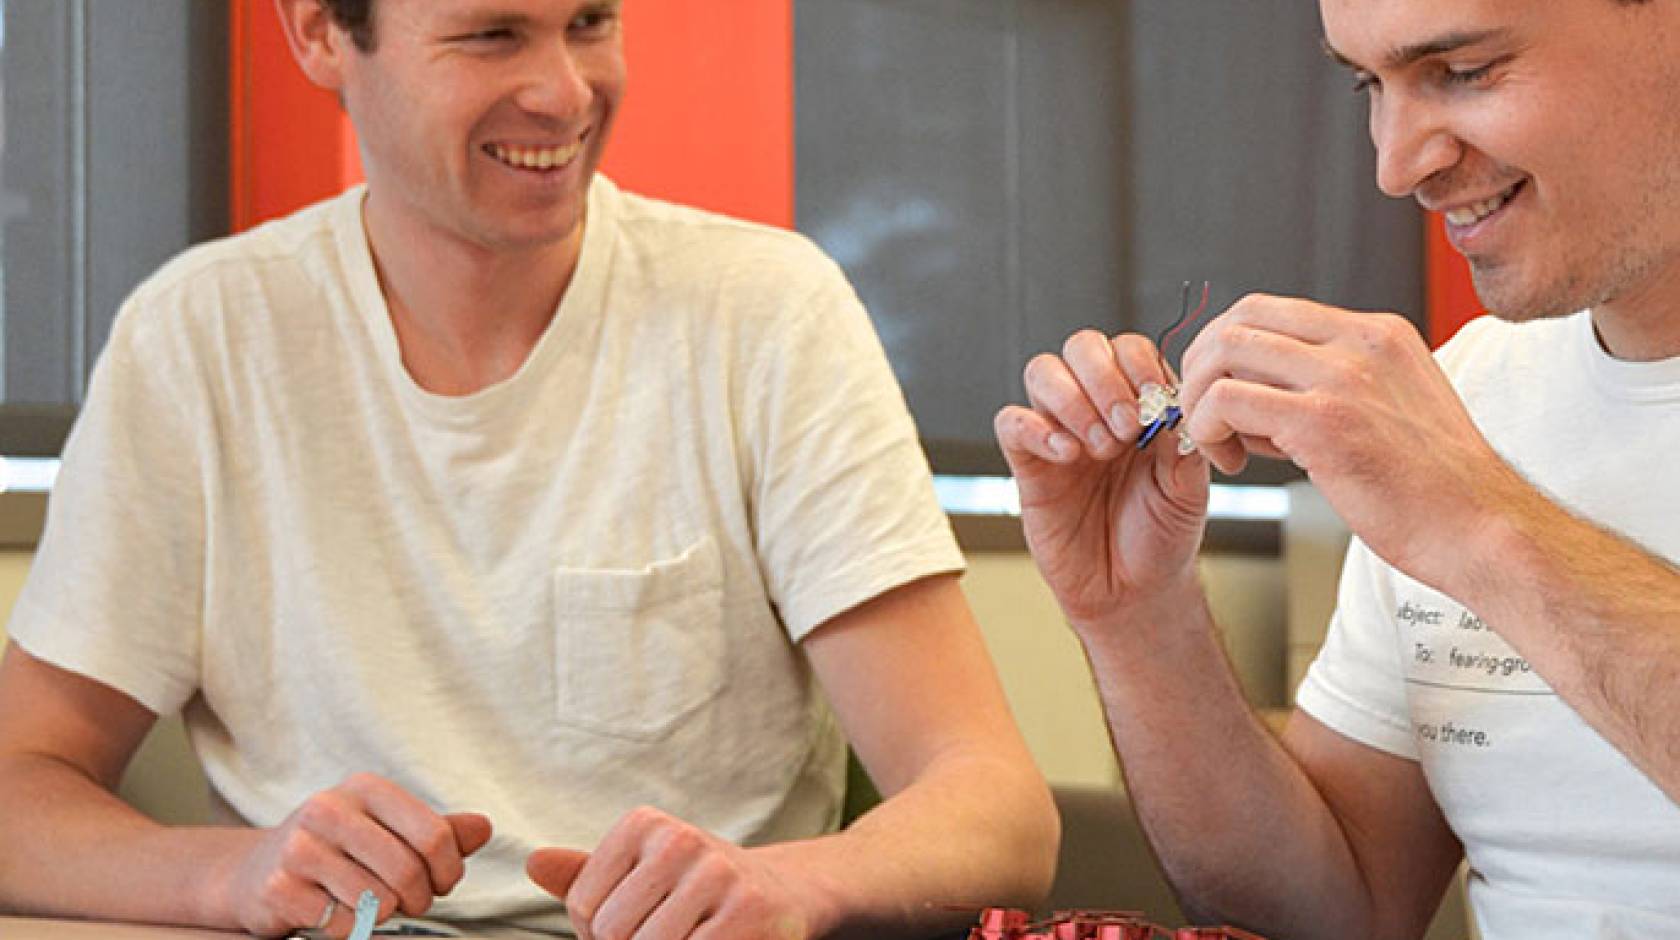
column 491, row 494
column 1499, row 681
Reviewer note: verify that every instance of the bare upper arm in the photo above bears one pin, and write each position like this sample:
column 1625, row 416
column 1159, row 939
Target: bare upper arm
column 52, row 712
column 910, row 678
column 1404, row 848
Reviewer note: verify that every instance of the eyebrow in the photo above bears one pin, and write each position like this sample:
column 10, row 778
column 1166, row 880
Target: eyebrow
column 1411, row 53
column 478, row 19
column 500, row 18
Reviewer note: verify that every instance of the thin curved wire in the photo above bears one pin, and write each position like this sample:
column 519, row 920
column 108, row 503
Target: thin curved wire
column 1185, row 319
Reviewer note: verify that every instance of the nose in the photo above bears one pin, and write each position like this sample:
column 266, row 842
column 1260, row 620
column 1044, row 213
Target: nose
column 1412, row 141
column 555, row 84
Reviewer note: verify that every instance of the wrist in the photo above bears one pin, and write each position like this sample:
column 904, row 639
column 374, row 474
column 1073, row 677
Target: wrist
column 818, row 901
column 218, row 889
column 1168, row 608
column 1520, row 559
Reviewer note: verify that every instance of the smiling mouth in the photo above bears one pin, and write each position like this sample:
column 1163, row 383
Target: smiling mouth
column 1476, row 212
column 536, row 158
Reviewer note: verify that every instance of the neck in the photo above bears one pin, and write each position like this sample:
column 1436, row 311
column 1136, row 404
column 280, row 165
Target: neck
column 1642, row 324
column 466, row 316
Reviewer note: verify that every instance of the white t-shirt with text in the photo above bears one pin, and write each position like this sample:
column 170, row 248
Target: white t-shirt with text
column 1564, row 837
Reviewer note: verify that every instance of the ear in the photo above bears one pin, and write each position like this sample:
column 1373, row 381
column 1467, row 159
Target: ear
column 317, row 43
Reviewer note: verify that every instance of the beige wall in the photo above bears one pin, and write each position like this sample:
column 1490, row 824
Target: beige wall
column 14, row 565
column 1044, row 672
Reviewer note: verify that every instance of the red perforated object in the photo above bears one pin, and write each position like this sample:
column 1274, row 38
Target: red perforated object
column 1002, row 923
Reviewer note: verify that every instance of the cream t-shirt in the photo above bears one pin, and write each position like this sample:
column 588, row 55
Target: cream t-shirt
column 574, row 592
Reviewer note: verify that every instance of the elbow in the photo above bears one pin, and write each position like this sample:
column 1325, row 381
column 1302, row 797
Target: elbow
column 1034, row 844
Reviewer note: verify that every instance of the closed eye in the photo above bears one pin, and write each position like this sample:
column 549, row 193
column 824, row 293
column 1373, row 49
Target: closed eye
column 597, row 22
column 1468, row 76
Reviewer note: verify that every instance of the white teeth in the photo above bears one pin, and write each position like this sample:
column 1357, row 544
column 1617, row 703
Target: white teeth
column 1475, row 212
column 533, row 158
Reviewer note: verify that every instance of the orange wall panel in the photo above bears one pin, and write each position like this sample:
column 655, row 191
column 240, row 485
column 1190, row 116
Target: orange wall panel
column 708, row 120
column 289, row 138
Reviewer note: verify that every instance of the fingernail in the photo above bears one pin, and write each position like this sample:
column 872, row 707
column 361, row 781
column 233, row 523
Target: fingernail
column 1118, row 420
column 1062, row 445
column 1098, row 436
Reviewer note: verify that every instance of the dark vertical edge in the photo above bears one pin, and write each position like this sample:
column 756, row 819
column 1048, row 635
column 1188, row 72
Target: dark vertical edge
column 209, row 161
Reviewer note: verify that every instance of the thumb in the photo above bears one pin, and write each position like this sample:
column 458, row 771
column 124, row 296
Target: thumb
column 472, row 831
column 1189, row 475
column 554, row 869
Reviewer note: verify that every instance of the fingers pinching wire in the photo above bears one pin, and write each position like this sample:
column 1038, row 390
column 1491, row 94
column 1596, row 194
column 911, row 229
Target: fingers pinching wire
column 1158, row 406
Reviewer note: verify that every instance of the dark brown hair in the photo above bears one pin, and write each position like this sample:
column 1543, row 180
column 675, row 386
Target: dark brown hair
column 354, row 17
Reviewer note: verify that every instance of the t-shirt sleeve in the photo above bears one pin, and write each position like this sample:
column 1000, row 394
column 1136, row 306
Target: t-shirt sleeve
column 1357, row 685
column 843, row 502
column 114, row 591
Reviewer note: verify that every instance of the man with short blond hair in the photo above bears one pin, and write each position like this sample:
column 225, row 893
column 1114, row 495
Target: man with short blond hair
column 490, row 498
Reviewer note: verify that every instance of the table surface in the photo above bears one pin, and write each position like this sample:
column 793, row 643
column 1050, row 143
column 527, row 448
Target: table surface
column 42, row 928
column 46, row 928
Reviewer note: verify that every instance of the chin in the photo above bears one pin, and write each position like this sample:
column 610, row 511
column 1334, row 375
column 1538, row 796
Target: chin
column 1503, row 295
column 537, row 234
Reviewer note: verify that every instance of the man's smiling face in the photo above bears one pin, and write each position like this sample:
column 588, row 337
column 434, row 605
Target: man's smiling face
column 484, row 120
column 1546, row 131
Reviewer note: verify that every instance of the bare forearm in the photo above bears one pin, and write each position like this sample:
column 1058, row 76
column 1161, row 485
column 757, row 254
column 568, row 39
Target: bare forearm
column 971, row 832
column 74, row 849
column 1243, row 835
column 1596, row 616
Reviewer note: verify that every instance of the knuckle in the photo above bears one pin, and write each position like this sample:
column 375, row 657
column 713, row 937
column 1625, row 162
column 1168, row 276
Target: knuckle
column 1082, row 342
column 389, row 900
column 320, row 812
column 669, row 844
column 437, row 840
column 274, row 888
column 750, row 899
column 1346, row 376
column 582, row 909
column 420, row 903
column 716, row 873
column 297, row 851
column 1385, row 332
column 645, row 818
column 1133, row 343
column 1395, row 326
column 1248, row 305
column 612, row 931
column 408, row 874
column 1235, row 337
column 362, row 783
column 1215, row 398
column 1327, row 414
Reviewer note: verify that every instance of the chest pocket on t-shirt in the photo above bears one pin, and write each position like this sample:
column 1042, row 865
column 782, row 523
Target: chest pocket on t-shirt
column 638, row 650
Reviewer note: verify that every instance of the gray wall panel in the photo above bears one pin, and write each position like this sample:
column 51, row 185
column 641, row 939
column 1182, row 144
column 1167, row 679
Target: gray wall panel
column 907, row 177
column 157, row 130
column 116, row 145
column 1253, row 166
column 36, row 172
column 995, row 174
